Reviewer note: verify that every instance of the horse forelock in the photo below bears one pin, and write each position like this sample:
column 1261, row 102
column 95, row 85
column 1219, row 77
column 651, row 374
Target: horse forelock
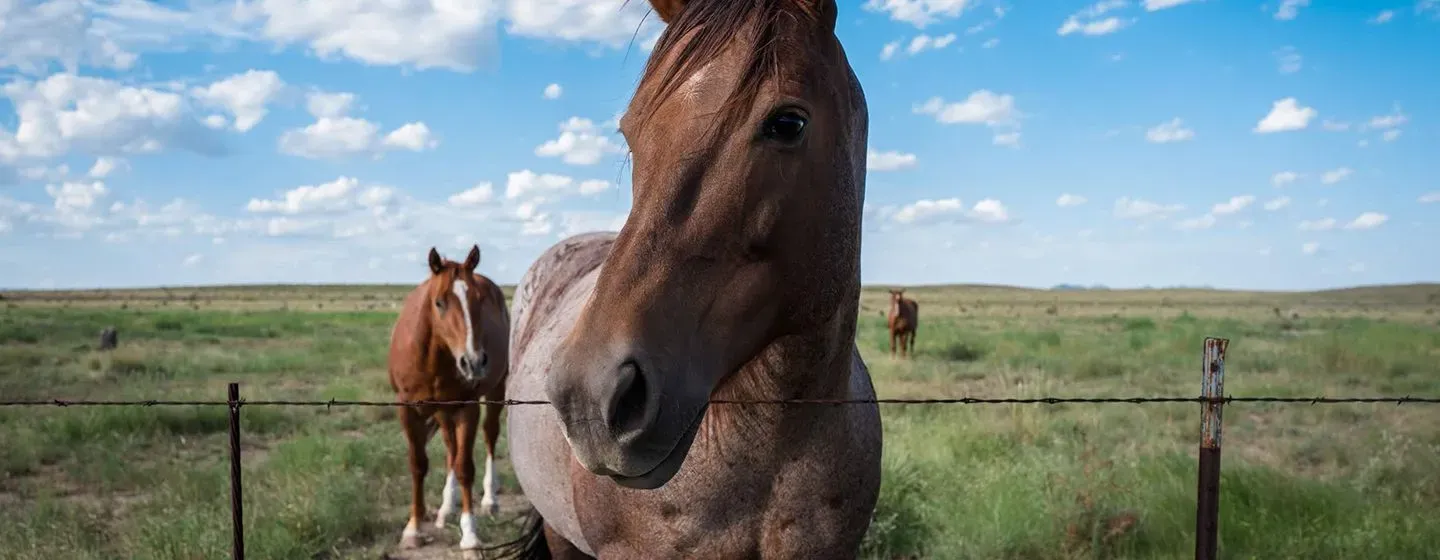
column 702, row 33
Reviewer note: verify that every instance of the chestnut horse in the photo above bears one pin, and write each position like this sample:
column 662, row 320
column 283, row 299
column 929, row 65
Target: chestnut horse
column 450, row 343
column 736, row 276
column 904, row 320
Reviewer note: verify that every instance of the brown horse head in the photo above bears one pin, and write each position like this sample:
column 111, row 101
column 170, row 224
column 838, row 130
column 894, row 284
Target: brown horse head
column 455, row 297
column 748, row 136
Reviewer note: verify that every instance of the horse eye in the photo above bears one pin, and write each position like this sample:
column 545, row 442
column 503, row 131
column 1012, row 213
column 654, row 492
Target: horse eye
column 786, row 128
column 440, row 304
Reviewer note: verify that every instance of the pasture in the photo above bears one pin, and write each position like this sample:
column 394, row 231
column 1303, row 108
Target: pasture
column 981, row 481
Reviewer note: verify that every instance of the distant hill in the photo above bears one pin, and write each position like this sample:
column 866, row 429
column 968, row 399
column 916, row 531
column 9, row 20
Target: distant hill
column 1077, row 287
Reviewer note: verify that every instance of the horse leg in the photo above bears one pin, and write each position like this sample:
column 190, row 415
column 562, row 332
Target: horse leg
column 448, row 495
column 466, row 423
column 892, row 343
column 492, row 434
column 416, row 435
column 913, row 331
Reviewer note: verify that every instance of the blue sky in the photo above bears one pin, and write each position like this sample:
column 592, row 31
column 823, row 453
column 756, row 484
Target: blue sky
column 1269, row 145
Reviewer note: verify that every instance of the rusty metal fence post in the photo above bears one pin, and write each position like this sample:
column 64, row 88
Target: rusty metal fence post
column 1207, row 498
column 237, row 510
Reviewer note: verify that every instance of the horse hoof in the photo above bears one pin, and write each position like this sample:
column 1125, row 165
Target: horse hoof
column 408, row 542
column 490, row 508
column 440, row 519
column 469, row 542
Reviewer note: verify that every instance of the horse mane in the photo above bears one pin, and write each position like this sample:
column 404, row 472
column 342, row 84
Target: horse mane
column 715, row 25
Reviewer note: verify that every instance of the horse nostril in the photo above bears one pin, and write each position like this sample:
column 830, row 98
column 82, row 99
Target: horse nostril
column 631, row 400
column 464, row 363
column 484, row 359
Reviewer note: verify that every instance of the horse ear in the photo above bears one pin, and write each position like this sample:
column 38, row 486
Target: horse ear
column 435, row 264
column 472, row 260
column 668, row 10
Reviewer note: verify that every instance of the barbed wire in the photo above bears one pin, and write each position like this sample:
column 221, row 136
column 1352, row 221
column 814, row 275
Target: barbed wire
column 331, row 403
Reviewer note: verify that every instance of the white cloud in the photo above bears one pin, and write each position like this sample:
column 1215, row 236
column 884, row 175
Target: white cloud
column 1154, row 5
column 607, row 22
column 475, row 196
column 1427, row 198
column 75, row 196
column 1391, row 120
column 1357, row 267
column 245, row 96
column 1289, row 9
column 580, row 143
column 1289, row 60
column 64, row 112
column 888, row 51
column 424, row 35
column 335, row 134
column 1137, row 209
column 990, row 43
column 1277, row 203
column 919, row 13
column 344, row 193
column 323, row 104
column 1383, row 17
column 1336, row 175
column 526, row 182
column 593, row 186
column 951, row 209
column 923, row 42
column 1310, row 248
column 35, row 34
column 918, row 44
column 1007, row 139
column 1284, row 178
column 553, row 91
column 1067, row 200
column 1335, row 126
column 1391, row 135
column 1235, row 204
column 1367, row 220
column 1322, row 224
column 1172, row 130
column 193, row 260
column 1088, row 21
column 413, row 136
column 889, row 161
column 1285, row 114
column 983, row 106
column 1203, row 222
column 105, row 165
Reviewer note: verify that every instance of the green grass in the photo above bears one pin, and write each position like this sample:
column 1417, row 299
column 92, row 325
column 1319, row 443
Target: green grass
column 984, row 481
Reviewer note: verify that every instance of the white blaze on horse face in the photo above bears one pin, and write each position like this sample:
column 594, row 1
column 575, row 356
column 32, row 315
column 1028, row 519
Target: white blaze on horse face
column 487, row 501
column 691, row 88
column 461, row 290
column 448, row 496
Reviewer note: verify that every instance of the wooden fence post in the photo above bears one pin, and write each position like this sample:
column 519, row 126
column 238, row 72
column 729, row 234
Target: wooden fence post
column 237, row 510
column 1207, row 499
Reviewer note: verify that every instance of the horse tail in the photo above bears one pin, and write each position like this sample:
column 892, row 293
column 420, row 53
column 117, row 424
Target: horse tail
column 530, row 545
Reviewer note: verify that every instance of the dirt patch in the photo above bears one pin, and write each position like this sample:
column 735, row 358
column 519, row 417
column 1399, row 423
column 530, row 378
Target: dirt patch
column 444, row 544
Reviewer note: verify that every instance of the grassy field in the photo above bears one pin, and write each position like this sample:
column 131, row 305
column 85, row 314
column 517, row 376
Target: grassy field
column 985, row 482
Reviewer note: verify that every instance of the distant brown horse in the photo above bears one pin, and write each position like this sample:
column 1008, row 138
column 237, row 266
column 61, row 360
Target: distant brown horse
column 904, row 320
column 450, row 343
column 735, row 276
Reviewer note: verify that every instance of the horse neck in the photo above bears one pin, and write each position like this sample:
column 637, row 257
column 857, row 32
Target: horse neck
column 810, row 365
